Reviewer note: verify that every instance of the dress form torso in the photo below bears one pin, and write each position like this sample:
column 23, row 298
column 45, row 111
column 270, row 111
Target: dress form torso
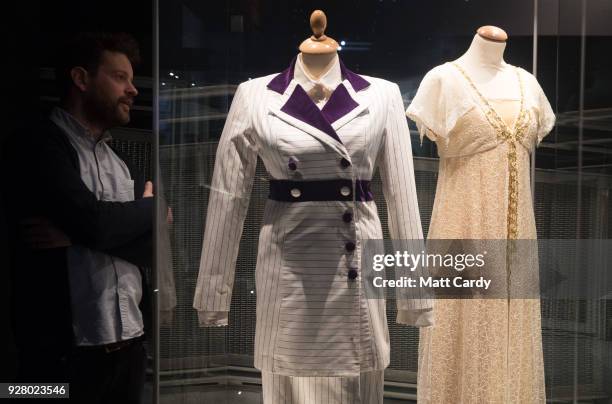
column 484, row 63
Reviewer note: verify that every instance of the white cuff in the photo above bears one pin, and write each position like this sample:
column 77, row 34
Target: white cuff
column 213, row 318
column 417, row 318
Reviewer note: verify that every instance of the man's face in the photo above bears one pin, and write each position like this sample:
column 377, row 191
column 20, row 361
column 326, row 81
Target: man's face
column 110, row 93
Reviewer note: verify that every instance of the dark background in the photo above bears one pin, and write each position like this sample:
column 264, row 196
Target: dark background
column 32, row 32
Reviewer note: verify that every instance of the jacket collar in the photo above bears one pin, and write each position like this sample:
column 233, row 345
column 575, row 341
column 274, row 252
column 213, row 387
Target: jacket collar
column 281, row 81
column 300, row 111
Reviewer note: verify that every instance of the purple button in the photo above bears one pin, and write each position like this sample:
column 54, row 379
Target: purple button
column 347, row 216
column 352, row 274
column 345, row 163
column 292, row 164
column 350, row 246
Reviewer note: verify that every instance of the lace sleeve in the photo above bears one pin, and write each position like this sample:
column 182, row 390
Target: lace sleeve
column 426, row 109
column 436, row 107
column 546, row 118
column 545, row 114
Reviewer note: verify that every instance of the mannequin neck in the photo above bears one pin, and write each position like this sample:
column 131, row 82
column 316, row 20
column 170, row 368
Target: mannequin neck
column 316, row 65
column 484, row 53
column 484, row 63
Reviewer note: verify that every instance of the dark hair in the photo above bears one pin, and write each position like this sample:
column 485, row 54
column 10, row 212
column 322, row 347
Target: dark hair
column 85, row 50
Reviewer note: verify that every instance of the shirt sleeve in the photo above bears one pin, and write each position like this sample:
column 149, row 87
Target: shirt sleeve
column 235, row 164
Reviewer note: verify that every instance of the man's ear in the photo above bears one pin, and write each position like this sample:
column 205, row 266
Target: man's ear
column 80, row 77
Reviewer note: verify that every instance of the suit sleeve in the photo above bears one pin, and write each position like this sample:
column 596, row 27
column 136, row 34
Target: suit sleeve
column 100, row 225
column 232, row 181
column 138, row 251
column 397, row 174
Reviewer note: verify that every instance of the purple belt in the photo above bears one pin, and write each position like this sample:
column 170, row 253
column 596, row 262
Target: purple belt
column 320, row 190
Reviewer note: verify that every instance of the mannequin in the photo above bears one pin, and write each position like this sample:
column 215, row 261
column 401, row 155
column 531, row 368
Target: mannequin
column 483, row 350
column 484, row 63
column 317, row 337
column 319, row 52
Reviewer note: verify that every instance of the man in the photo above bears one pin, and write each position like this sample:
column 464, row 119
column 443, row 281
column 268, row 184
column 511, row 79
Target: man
column 82, row 219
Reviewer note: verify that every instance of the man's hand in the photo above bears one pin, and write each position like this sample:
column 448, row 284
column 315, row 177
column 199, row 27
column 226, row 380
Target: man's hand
column 148, row 190
column 39, row 233
column 148, row 193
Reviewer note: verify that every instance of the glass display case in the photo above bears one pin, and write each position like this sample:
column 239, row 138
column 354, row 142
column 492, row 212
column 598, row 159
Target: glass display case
column 206, row 49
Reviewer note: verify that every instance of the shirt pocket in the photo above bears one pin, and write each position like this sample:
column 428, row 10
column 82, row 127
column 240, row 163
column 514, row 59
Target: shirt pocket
column 124, row 191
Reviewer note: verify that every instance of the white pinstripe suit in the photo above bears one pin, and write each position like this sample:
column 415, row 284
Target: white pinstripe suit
column 312, row 319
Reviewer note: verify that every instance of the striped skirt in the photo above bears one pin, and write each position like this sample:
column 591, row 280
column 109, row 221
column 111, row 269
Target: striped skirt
column 367, row 388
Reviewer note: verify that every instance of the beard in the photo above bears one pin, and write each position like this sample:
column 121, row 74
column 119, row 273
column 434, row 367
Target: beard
column 107, row 111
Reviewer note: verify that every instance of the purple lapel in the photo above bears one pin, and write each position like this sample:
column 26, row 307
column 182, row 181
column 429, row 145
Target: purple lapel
column 300, row 106
column 281, row 81
column 358, row 82
column 339, row 104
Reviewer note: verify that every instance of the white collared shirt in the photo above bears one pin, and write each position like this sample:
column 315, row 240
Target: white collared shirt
column 105, row 291
column 330, row 79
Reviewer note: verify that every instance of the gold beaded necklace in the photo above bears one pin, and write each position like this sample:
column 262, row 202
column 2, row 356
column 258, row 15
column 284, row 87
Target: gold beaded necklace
column 512, row 137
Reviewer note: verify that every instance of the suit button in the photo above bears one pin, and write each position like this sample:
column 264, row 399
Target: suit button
column 345, row 163
column 296, row 193
column 352, row 274
column 350, row 246
column 292, row 164
column 345, row 191
column 347, row 216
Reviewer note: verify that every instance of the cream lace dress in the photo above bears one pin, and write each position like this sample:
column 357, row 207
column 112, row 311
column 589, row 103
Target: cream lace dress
column 481, row 350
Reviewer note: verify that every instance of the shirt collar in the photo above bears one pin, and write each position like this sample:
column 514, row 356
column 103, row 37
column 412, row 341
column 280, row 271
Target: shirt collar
column 331, row 79
column 69, row 124
column 281, row 81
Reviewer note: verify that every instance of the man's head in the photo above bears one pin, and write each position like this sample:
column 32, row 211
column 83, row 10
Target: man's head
column 96, row 72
